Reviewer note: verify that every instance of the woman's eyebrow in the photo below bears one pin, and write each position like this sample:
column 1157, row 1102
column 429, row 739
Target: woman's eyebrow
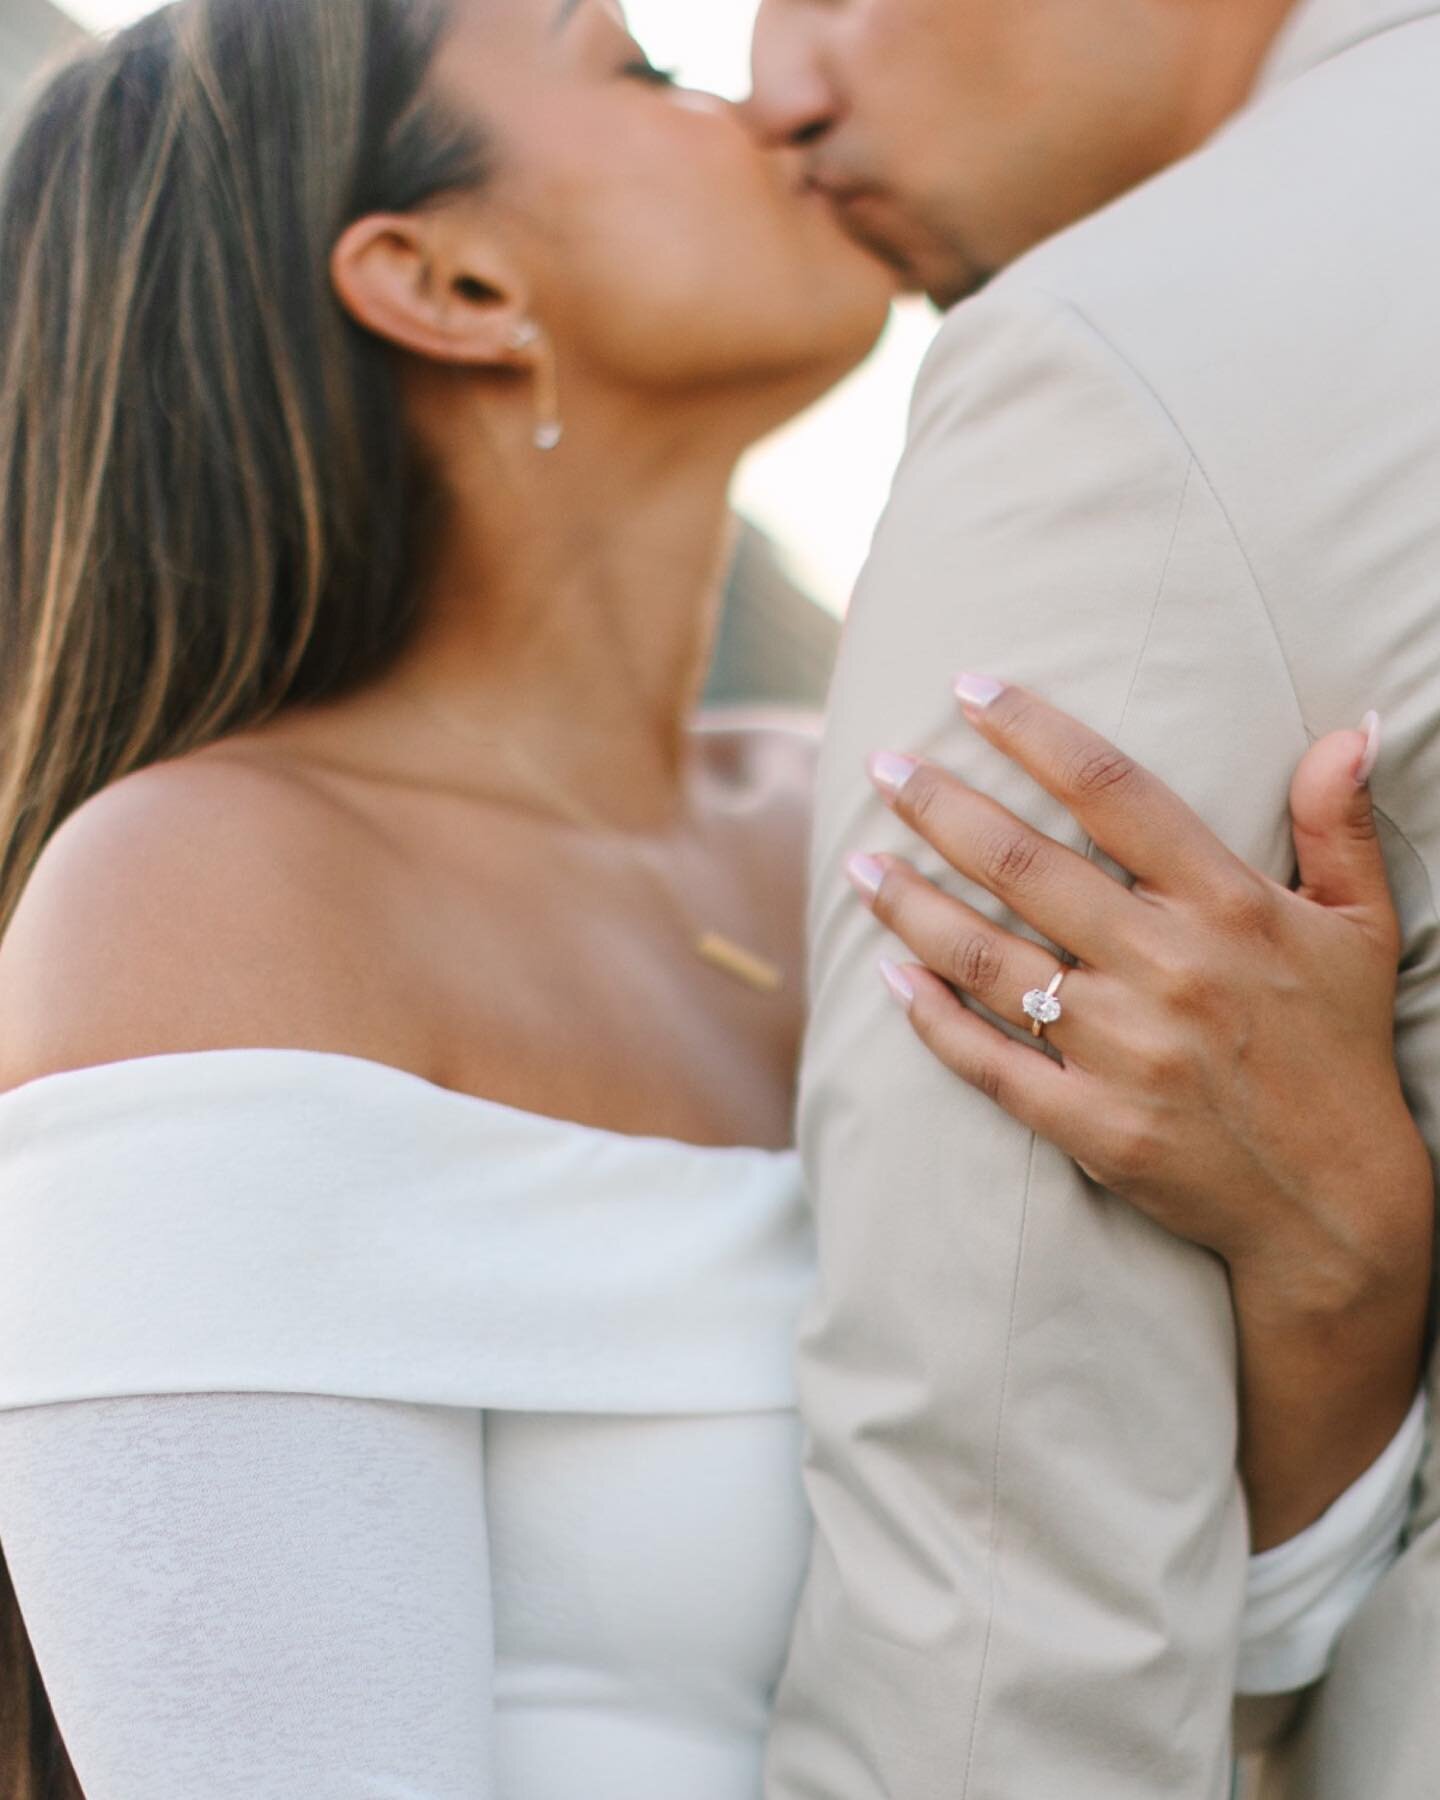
column 568, row 9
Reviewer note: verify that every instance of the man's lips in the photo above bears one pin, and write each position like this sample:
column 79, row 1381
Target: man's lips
column 866, row 214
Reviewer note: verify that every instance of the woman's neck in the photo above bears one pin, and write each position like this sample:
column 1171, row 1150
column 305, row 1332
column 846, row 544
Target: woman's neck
column 568, row 611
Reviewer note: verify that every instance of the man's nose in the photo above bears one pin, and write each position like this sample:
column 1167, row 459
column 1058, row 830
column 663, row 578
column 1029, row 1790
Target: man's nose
column 790, row 101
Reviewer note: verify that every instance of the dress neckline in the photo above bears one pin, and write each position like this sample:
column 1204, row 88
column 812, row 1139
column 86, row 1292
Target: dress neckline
column 368, row 1068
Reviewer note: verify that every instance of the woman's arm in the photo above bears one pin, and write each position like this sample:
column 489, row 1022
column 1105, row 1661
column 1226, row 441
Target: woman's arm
column 1224, row 1060
column 256, row 1596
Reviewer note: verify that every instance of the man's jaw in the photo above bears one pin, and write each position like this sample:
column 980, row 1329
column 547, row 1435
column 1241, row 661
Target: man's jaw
column 854, row 207
column 867, row 215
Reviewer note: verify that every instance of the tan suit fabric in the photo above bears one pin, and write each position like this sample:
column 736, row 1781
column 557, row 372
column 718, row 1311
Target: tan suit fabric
column 1179, row 469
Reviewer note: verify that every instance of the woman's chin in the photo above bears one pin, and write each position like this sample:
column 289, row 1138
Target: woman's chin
column 849, row 334
column 861, row 299
column 836, row 350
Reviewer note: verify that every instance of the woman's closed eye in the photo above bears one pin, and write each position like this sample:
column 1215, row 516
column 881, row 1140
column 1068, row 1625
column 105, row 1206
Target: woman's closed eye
column 642, row 69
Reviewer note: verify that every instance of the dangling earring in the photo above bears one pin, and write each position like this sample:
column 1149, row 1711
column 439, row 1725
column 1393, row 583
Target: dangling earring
column 548, row 429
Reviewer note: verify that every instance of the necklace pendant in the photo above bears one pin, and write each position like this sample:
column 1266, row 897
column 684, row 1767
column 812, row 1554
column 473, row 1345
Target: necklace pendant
column 755, row 971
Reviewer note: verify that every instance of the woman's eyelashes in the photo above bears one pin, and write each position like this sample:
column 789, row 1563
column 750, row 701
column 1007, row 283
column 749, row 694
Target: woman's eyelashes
column 644, row 70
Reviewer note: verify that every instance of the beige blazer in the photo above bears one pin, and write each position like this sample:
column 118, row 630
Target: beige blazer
column 1179, row 468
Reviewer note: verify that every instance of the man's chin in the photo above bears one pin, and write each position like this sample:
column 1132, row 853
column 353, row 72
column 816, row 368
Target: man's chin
column 944, row 277
column 948, row 291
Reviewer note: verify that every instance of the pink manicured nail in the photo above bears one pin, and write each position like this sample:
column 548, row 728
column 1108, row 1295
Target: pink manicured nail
column 897, row 983
column 867, row 873
column 890, row 770
column 977, row 690
column 1365, row 768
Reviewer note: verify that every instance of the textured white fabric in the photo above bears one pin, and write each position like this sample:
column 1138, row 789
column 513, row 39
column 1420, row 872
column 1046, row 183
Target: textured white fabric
column 398, row 1240
column 1300, row 1595
column 368, row 1441
column 277, row 1596
column 267, row 1595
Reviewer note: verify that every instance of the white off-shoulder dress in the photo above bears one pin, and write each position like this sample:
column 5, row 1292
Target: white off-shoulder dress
column 365, row 1440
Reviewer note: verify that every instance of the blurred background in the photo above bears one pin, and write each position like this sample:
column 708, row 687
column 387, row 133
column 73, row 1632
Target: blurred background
column 808, row 498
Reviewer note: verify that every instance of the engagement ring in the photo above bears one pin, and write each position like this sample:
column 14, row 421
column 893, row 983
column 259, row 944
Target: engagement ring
column 1041, row 1005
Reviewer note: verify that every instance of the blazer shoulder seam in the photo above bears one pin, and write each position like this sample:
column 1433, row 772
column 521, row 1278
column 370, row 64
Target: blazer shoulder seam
column 1196, row 467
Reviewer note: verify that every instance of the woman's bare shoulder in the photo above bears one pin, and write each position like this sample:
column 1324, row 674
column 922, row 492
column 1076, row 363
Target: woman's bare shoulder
column 180, row 908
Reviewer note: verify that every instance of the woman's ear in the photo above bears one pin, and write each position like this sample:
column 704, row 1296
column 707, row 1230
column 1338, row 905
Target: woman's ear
column 433, row 291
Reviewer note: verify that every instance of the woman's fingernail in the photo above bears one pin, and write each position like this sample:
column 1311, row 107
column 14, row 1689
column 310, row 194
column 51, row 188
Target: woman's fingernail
column 890, row 770
column 867, row 873
column 977, row 690
column 1365, row 768
column 897, row 983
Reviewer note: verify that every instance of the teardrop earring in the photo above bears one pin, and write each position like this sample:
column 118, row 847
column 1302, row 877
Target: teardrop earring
column 548, row 429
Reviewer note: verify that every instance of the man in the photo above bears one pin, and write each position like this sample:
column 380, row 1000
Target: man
column 1176, row 467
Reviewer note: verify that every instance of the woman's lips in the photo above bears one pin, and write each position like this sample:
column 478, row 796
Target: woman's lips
column 848, row 198
column 865, row 209
column 838, row 192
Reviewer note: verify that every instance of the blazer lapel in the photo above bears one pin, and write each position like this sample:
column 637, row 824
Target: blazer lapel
column 1320, row 29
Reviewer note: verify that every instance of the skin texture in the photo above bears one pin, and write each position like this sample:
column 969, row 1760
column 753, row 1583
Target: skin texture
column 1224, row 1060
column 955, row 134
column 371, row 875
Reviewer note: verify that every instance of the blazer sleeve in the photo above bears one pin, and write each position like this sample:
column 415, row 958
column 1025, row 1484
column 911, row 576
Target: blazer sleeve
column 254, row 1596
column 1020, row 1394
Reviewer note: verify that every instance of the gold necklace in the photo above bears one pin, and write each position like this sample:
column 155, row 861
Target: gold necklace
column 712, row 947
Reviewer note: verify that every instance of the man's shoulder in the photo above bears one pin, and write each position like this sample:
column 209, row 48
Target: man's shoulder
column 1287, row 238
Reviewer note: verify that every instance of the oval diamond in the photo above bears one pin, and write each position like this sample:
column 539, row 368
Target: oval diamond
column 1042, row 1006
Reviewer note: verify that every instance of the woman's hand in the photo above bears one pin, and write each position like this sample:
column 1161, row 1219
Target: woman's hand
column 1224, row 1059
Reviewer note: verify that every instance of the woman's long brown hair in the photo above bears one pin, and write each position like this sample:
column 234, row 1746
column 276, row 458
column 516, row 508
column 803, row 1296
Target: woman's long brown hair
column 209, row 507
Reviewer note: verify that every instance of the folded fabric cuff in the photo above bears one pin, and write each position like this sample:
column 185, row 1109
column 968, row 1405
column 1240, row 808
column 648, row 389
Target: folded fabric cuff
column 1301, row 1595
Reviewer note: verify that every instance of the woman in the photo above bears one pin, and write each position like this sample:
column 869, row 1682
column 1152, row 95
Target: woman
column 400, row 990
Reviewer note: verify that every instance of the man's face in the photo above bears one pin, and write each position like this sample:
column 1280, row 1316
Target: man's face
column 955, row 134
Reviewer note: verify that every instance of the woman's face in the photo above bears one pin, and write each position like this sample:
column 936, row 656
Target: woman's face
column 663, row 248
